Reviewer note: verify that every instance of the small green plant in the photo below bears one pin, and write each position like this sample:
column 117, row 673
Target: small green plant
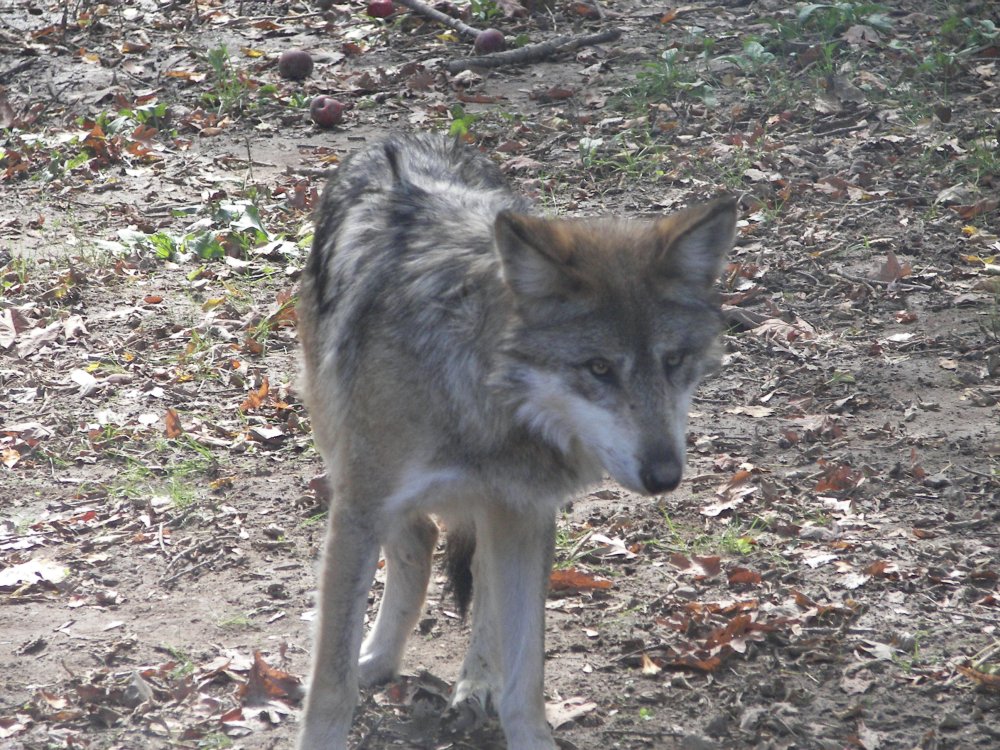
column 982, row 160
column 753, row 58
column 16, row 272
column 658, row 79
column 913, row 657
column 941, row 66
column 668, row 79
column 828, row 21
column 127, row 119
column 171, row 482
column 461, row 121
column 674, row 540
column 181, row 494
column 74, row 162
column 827, row 62
column 215, row 741
column 261, row 330
column 484, row 10
column 243, row 218
column 130, row 483
column 832, row 19
column 589, row 148
column 969, row 35
column 236, row 622
column 183, row 666
column 235, row 228
column 230, row 92
column 163, row 245
column 942, row 58
column 313, row 520
column 570, row 545
column 737, row 541
column 625, row 155
column 840, row 376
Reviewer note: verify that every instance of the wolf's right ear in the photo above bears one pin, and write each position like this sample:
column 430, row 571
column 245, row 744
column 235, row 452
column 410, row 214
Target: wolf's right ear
column 536, row 255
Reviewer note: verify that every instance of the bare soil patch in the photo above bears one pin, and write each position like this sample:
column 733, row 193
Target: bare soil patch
column 826, row 577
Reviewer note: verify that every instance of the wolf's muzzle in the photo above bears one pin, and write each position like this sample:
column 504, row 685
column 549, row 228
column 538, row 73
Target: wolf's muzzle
column 661, row 475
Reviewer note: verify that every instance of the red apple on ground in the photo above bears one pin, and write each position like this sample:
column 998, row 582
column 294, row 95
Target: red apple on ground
column 380, row 8
column 326, row 111
column 295, row 64
column 490, row 40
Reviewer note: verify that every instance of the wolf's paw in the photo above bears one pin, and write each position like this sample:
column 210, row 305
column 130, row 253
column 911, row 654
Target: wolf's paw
column 532, row 743
column 525, row 735
column 471, row 705
column 318, row 734
column 375, row 668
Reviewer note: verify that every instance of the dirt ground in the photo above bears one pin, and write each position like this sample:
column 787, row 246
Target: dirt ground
column 825, row 578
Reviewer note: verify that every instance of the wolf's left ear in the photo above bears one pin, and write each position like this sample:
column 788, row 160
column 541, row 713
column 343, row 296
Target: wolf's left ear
column 692, row 244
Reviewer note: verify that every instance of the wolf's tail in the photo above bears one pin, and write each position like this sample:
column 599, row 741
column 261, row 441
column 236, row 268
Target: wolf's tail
column 460, row 547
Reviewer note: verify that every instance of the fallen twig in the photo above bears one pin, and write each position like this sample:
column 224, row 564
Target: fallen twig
column 435, row 15
column 371, row 733
column 193, row 568
column 533, row 52
column 896, row 283
column 11, row 72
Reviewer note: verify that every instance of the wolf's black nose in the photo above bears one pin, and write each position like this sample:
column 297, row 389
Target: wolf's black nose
column 661, row 476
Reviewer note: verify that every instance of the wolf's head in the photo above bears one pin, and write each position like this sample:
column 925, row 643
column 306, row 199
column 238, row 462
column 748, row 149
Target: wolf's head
column 616, row 322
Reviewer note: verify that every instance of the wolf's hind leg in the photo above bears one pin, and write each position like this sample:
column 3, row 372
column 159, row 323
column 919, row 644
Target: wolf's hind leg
column 408, row 552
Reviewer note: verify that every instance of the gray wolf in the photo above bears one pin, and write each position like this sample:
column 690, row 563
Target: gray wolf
column 469, row 360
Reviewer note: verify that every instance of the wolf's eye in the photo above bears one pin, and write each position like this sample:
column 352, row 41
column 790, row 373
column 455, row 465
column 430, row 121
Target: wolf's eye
column 600, row 368
column 672, row 361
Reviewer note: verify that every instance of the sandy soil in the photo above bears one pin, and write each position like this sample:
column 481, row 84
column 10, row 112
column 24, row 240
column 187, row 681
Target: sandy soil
column 826, row 577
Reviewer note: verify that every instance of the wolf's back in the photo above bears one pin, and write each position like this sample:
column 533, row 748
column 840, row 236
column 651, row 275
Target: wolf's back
column 403, row 254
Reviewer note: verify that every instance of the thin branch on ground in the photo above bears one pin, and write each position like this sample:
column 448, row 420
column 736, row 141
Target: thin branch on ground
column 434, row 14
column 193, row 568
column 534, row 52
column 21, row 66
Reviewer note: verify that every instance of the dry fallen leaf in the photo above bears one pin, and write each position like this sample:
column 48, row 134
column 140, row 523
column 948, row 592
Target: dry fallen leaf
column 755, row 411
column 743, row 576
column 174, row 429
column 838, row 477
column 649, row 667
column 610, row 547
column 987, row 680
column 266, row 683
column 566, row 711
column 256, row 397
column 32, row 571
column 571, row 579
column 8, row 332
column 892, row 269
column 697, row 566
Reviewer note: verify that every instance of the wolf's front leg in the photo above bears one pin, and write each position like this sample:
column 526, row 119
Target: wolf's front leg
column 349, row 561
column 477, row 691
column 516, row 550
